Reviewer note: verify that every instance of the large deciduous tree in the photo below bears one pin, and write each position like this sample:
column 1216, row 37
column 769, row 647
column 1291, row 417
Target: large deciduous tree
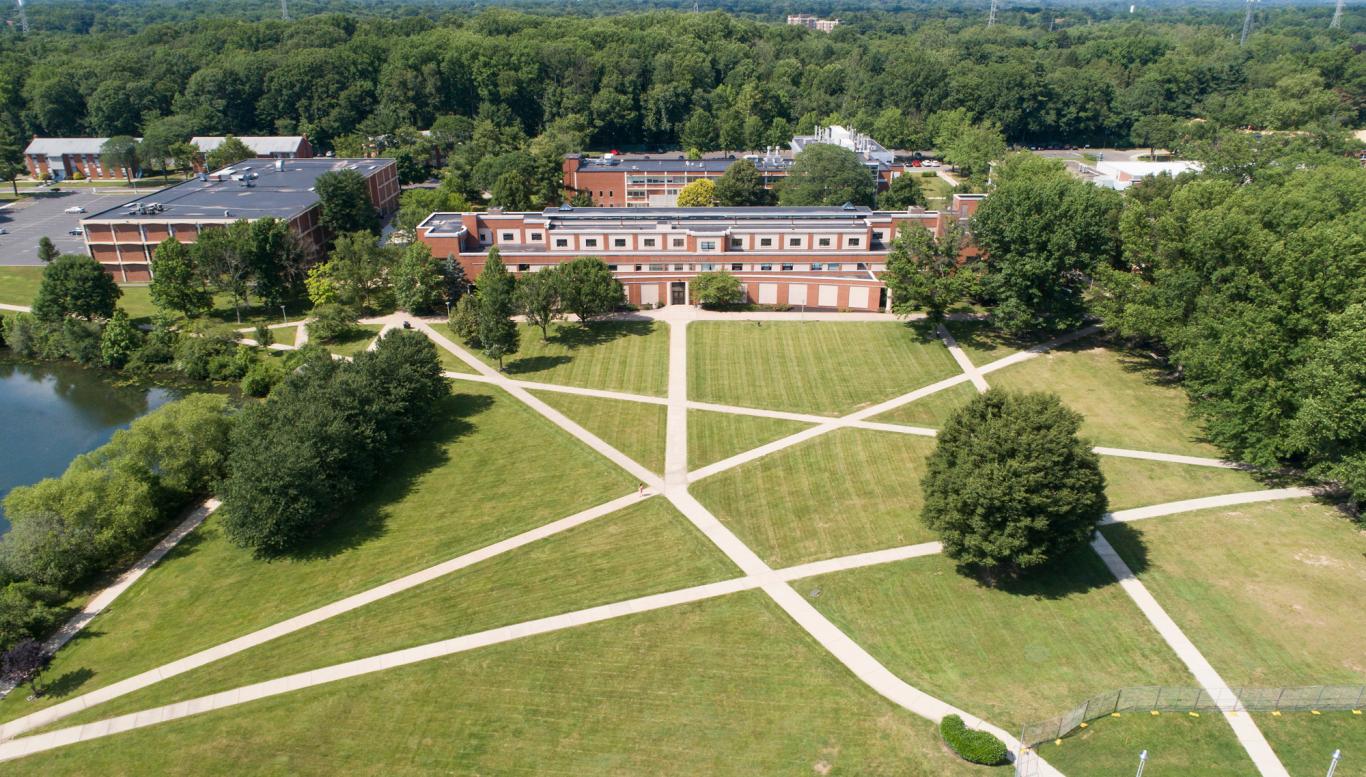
column 538, row 298
column 928, row 273
column 698, row 194
column 346, row 203
column 1010, row 486
column 904, row 192
column 718, row 288
column 417, row 280
column 75, row 285
column 176, row 283
column 742, row 185
column 588, row 288
column 120, row 152
column 229, row 152
column 824, row 174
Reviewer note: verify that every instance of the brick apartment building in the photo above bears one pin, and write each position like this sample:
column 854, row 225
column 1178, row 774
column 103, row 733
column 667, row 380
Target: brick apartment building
column 655, row 181
column 62, row 158
column 264, row 146
column 816, row 257
column 123, row 238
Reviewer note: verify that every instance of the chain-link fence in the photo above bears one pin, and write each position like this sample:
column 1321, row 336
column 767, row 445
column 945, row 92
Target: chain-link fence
column 1175, row 699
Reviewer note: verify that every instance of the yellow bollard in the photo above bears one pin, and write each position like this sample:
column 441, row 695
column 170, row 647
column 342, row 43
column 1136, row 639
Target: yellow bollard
column 1276, row 713
column 1315, row 712
column 1083, row 725
column 1193, row 714
column 1115, row 715
column 1356, row 712
column 1058, row 742
column 1154, row 713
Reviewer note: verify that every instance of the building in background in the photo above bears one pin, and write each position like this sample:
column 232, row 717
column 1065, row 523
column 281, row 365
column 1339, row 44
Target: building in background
column 654, row 181
column 812, row 22
column 816, row 257
column 62, row 158
column 122, row 238
column 1122, row 175
column 264, row 146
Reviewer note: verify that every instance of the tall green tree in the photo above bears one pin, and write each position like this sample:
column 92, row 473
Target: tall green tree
column 47, row 251
column 928, row 273
column 176, row 283
column 1010, row 486
column 538, row 298
column 698, row 194
column 119, row 340
column 357, row 270
column 742, row 185
column 120, row 151
column 75, row 285
column 231, row 151
column 418, row 280
column 824, row 174
column 904, row 192
column 275, row 258
column 588, row 288
column 345, row 202
column 498, row 334
column 221, row 257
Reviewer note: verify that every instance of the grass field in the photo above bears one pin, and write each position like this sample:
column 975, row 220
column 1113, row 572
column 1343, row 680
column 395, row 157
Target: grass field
column 285, row 335
column 1177, row 745
column 1139, row 482
column 933, row 410
column 1305, row 742
column 725, row 687
column 981, row 341
column 631, row 356
column 1124, row 399
column 811, row 367
column 490, row 468
column 645, row 549
column 1265, row 590
column 848, row 491
column 634, row 428
column 355, row 342
column 1017, row 654
column 716, row 436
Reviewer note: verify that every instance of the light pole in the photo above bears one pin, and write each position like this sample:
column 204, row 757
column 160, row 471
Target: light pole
column 283, row 317
column 1142, row 762
column 448, row 310
column 1333, row 767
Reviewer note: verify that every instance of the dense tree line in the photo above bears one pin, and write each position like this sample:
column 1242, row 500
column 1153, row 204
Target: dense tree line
column 500, row 80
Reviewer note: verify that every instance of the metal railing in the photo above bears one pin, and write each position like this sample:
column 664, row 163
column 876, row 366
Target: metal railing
column 1185, row 699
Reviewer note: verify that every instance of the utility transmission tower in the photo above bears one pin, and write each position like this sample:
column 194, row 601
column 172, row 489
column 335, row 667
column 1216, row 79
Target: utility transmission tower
column 23, row 16
column 695, row 9
column 284, row 9
column 1337, row 16
column 991, row 16
column 1247, row 24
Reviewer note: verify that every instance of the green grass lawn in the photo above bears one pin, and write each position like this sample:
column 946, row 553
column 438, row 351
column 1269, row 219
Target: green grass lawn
column 982, row 342
column 1021, row 653
column 811, row 367
column 1305, row 742
column 932, row 410
column 1266, row 591
column 631, row 356
column 715, row 436
column 452, row 363
column 1126, row 402
column 489, row 468
column 644, row 549
column 634, row 428
column 285, row 335
column 848, row 491
column 19, row 285
column 1177, row 744
column 1139, row 482
column 724, row 687
column 354, row 343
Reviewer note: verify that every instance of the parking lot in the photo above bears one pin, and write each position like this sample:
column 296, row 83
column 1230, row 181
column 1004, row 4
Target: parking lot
column 30, row 218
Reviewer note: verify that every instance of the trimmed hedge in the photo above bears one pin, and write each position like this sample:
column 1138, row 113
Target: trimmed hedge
column 979, row 747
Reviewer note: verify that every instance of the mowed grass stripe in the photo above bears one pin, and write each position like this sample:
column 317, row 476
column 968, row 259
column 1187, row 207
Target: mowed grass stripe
column 644, row 549
column 1140, row 483
column 715, row 436
column 488, row 469
column 849, row 491
column 1177, row 744
column 723, row 687
column 630, row 356
column 637, row 429
column 813, row 367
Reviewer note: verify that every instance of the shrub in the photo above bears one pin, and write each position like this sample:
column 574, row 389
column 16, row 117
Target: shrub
column 119, row 341
column 979, row 747
column 32, row 338
column 262, row 377
column 263, row 336
column 718, row 288
column 28, row 610
column 331, row 323
column 232, row 365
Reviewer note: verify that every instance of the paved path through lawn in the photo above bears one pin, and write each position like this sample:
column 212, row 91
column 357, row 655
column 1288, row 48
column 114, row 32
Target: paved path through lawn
column 964, row 363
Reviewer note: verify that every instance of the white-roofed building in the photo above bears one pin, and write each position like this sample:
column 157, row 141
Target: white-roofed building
column 62, row 158
column 264, row 146
column 1122, row 175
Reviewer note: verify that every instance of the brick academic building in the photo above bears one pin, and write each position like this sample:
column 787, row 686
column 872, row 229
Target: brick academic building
column 814, row 257
column 123, row 238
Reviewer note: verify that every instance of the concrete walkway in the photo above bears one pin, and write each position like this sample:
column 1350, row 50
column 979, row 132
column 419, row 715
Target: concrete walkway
column 1244, row 727
column 964, row 363
column 1205, row 503
column 16, row 308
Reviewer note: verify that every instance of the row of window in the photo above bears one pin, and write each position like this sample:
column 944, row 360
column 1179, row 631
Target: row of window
column 710, row 267
column 679, row 242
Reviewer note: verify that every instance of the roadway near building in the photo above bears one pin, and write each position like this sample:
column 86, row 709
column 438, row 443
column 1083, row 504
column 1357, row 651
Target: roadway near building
column 812, row 257
column 122, row 238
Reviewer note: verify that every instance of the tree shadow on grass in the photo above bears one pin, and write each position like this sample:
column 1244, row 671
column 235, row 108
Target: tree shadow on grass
column 1079, row 571
column 66, row 684
column 363, row 521
column 535, row 364
column 575, row 335
column 983, row 336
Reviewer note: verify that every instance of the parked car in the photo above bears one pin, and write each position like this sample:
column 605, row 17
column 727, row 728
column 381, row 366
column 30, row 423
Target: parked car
column 4, row 231
column 78, row 232
column 75, row 209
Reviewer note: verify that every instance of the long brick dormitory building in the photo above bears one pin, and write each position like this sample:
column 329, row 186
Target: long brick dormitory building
column 815, row 257
column 122, row 238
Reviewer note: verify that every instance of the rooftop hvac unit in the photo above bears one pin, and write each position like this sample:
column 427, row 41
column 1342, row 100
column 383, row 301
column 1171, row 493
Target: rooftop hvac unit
column 227, row 214
column 280, row 165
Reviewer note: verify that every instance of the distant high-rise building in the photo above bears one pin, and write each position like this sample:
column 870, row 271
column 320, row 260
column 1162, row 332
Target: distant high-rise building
column 812, row 22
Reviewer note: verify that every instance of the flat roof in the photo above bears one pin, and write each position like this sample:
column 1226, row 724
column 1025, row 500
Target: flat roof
column 283, row 193
column 261, row 144
column 59, row 146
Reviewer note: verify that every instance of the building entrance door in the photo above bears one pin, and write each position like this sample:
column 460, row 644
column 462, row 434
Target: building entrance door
column 678, row 293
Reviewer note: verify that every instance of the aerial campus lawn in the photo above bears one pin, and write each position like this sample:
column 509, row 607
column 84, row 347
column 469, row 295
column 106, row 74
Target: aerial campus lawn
column 630, row 356
column 1178, row 746
column 644, row 549
column 722, row 687
column 715, row 436
column 1125, row 399
column 982, row 342
column 491, row 468
column 1305, row 742
column 931, row 410
column 1269, row 592
column 847, row 491
column 812, row 366
column 634, row 428
column 355, row 342
column 1140, row 483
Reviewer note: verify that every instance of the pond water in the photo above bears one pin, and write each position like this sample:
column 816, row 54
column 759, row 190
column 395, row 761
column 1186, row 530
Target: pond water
column 50, row 413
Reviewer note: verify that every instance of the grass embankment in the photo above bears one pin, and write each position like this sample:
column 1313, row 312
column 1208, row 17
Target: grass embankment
column 811, row 367
column 489, row 469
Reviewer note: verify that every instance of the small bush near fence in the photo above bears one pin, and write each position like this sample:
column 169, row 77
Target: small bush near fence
column 979, row 747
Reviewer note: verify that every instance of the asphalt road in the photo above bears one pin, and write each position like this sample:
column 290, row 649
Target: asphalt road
column 31, row 218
